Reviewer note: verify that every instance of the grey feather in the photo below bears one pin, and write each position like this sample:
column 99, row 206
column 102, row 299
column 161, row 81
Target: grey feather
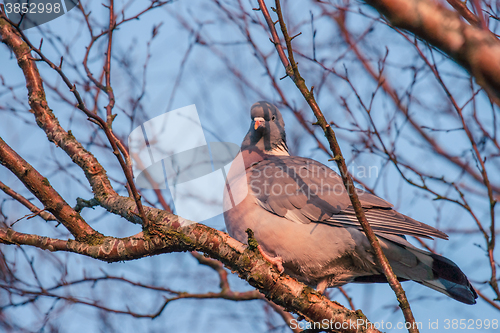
column 281, row 183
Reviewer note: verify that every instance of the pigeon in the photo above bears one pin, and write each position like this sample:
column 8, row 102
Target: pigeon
column 301, row 216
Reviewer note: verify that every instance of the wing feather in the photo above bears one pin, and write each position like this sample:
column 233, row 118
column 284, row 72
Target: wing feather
column 305, row 191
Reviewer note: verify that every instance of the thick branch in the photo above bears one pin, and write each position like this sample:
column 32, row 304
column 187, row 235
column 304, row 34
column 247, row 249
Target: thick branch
column 94, row 172
column 475, row 49
column 22, row 47
column 41, row 188
column 281, row 289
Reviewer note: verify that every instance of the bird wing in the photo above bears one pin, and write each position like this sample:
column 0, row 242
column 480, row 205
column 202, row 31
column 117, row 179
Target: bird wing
column 305, row 191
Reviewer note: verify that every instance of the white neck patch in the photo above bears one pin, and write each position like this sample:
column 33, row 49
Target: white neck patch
column 280, row 150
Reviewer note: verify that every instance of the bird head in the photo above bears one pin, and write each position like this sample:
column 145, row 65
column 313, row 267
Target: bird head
column 267, row 131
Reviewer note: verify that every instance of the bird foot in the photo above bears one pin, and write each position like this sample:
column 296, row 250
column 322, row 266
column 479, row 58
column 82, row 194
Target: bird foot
column 275, row 261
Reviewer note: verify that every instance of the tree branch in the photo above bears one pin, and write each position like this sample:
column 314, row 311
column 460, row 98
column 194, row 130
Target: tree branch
column 26, row 203
column 293, row 72
column 475, row 49
column 461, row 7
column 41, row 188
column 166, row 233
column 250, row 265
column 13, row 37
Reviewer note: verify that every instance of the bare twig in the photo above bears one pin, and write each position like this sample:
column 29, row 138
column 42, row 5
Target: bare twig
column 26, row 203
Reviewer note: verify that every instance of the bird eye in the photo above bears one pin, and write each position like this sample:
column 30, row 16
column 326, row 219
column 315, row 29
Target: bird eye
column 273, row 118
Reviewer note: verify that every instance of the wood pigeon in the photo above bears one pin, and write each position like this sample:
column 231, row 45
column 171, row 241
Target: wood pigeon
column 304, row 223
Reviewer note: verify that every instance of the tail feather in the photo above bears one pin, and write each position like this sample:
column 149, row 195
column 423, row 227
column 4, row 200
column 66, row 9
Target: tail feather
column 464, row 294
column 429, row 269
column 445, row 277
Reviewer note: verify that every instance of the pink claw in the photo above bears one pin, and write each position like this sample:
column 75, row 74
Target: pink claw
column 276, row 261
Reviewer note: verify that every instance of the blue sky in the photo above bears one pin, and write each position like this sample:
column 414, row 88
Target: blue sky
column 180, row 73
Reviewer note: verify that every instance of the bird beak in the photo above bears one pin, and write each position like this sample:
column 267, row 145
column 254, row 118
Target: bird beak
column 259, row 122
